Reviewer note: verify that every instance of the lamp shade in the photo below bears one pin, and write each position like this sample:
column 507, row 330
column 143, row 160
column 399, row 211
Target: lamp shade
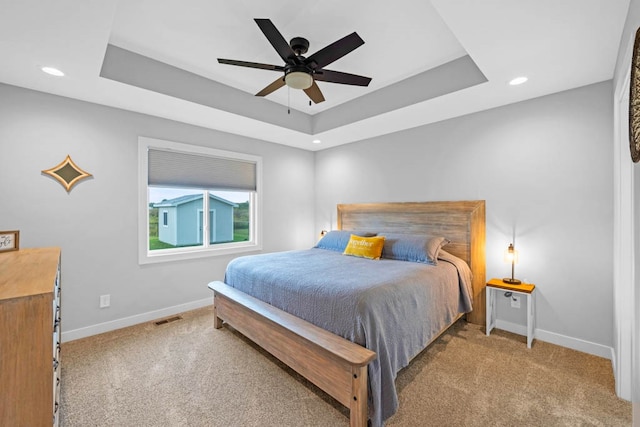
column 511, row 255
column 298, row 80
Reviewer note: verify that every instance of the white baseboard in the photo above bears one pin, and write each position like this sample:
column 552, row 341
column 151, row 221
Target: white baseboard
column 132, row 320
column 539, row 334
column 511, row 327
column 558, row 339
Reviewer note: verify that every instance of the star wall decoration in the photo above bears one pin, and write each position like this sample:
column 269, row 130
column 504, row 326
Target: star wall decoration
column 67, row 173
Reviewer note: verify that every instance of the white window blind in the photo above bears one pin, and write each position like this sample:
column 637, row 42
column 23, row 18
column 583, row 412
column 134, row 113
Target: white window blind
column 177, row 169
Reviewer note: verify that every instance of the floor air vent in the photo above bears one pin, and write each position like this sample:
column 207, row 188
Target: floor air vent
column 169, row 320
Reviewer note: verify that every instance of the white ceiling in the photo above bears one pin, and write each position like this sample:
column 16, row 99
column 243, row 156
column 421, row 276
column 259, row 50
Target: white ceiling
column 558, row 44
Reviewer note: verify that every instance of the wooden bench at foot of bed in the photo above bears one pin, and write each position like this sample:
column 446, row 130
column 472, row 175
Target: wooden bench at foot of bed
column 336, row 365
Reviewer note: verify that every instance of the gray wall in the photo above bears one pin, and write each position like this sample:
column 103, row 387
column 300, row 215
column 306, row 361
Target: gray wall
column 99, row 246
column 543, row 166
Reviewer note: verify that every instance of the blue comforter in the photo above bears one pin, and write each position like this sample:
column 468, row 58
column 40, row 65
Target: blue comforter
column 394, row 308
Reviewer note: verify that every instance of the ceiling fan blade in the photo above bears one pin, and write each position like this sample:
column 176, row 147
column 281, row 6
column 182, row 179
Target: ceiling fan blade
column 340, row 77
column 277, row 84
column 277, row 41
column 251, row 64
column 334, row 51
column 314, row 93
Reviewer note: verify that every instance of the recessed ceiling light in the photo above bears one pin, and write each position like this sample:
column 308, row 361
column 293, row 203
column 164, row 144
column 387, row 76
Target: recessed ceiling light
column 53, row 71
column 518, row 81
column 316, row 141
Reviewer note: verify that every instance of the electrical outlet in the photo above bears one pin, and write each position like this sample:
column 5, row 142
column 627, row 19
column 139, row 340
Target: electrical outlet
column 515, row 301
column 105, row 301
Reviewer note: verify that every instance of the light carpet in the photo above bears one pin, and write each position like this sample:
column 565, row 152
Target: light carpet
column 186, row 373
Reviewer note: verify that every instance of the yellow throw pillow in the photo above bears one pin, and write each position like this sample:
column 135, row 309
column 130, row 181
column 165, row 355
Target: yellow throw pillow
column 365, row 247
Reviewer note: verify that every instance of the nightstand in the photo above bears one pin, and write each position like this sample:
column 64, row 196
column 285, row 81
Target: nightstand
column 527, row 290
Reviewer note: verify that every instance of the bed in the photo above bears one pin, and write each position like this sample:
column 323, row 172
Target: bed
column 357, row 365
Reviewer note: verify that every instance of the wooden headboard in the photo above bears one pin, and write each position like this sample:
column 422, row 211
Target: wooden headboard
column 463, row 223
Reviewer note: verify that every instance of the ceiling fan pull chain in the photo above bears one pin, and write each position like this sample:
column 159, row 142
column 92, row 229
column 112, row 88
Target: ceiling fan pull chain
column 288, row 100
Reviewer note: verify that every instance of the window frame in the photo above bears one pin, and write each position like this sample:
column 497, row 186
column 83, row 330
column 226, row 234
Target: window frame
column 146, row 256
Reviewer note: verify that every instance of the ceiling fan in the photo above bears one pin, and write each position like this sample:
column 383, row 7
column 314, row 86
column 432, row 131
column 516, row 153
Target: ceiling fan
column 300, row 72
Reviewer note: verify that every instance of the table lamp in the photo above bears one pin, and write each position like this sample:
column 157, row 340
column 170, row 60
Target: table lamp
column 511, row 255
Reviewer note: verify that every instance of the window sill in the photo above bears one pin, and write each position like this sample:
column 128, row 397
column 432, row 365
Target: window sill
column 169, row 255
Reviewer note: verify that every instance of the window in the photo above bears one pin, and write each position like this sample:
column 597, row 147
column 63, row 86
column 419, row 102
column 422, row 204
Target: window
column 178, row 183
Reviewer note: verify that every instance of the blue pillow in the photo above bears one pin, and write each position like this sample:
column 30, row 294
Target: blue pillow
column 414, row 248
column 337, row 240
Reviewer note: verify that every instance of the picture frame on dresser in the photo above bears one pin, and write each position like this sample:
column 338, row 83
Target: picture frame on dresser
column 9, row 240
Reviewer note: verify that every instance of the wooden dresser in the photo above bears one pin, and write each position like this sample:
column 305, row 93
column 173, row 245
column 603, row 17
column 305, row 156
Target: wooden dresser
column 30, row 337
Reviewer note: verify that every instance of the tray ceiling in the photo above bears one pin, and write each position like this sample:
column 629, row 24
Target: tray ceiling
column 429, row 61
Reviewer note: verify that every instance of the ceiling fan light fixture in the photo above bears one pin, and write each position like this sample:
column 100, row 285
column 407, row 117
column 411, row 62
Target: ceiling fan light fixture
column 301, row 72
column 298, row 80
